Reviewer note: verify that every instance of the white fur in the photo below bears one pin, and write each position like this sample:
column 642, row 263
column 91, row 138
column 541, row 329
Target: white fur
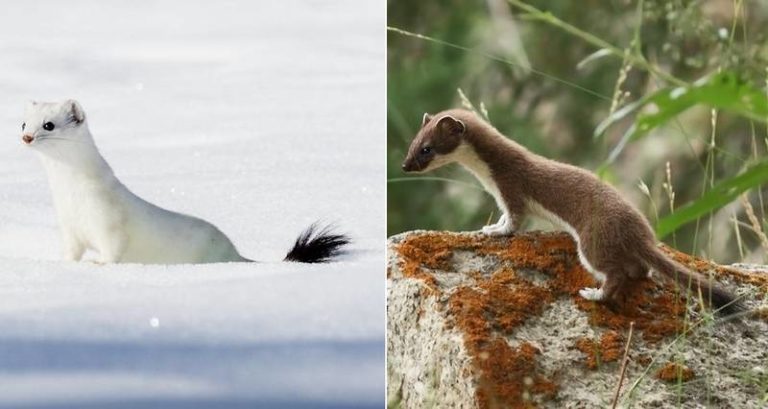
column 96, row 211
column 592, row 294
column 467, row 156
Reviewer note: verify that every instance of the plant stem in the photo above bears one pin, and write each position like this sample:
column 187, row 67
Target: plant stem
column 624, row 362
column 495, row 58
column 634, row 59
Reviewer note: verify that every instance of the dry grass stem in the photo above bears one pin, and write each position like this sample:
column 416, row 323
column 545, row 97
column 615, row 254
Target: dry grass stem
column 756, row 226
column 624, row 362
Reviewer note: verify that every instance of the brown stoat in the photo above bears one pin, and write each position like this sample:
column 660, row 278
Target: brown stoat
column 615, row 242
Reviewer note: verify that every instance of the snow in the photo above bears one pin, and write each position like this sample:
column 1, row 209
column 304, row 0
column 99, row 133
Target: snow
column 260, row 117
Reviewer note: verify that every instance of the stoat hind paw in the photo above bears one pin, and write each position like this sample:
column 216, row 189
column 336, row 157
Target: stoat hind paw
column 592, row 294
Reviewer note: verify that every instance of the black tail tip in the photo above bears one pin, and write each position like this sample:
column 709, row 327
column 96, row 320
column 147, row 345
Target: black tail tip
column 726, row 304
column 317, row 245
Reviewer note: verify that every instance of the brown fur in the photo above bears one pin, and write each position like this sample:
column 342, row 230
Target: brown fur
column 613, row 236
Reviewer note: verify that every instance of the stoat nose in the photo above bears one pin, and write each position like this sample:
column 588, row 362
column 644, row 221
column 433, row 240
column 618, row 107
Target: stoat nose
column 411, row 166
column 27, row 139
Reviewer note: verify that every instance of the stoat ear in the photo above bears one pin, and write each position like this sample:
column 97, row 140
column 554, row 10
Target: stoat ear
column 76, row 110
column 451, row 125
column 425, row 119
column 31, row 104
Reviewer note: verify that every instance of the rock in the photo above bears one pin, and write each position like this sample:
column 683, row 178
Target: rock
column 482, row 322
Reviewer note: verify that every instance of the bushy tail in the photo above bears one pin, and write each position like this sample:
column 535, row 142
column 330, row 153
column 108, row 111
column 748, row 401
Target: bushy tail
column 317, row 245
column 719, row 298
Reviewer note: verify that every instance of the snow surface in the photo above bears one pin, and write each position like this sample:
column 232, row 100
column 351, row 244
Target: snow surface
column 260, row 117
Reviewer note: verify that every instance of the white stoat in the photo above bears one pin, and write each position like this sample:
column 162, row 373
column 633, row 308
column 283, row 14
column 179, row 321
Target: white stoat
column 96, row 211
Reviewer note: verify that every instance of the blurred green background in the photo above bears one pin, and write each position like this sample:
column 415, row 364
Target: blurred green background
column 548, row 88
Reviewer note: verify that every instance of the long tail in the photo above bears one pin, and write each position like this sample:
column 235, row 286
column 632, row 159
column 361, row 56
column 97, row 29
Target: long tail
column 317, row 245
column 723, row 301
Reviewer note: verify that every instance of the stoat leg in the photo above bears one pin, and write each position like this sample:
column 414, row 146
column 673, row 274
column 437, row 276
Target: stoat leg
column 497, row 225
column 73, row 249
column 111, row 251
column 503, row 219
column 504, row 227
column 612, row 290
column 108, row 257
column 598, row 275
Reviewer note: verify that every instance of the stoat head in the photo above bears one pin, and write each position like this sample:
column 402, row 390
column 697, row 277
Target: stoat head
column 436, row 143
column 48, row 124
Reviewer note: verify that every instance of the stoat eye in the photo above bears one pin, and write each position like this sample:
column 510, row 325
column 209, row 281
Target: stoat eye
column 426, row 150
column 23, row 125
column 48, row 126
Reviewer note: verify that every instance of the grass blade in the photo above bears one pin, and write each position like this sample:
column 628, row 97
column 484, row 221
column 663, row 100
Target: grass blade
column 725, row 90
column 719, row 196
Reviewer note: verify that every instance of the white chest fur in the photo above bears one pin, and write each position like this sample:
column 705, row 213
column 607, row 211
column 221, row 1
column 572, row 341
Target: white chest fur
column 87, row 204
column 469, row 159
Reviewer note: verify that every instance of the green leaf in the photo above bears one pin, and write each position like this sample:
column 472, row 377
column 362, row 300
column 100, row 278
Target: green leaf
column 719, row 196
column 725, row 90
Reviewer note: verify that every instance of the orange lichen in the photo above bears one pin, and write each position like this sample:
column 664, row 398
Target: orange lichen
column 508, row 376
column 704, row 266
column 414, row 257
column 657, row 313
column 503, row 301
column 487, row 313
column 491, row 305
column 657, row 309
column 673, row 371
column 609, row 349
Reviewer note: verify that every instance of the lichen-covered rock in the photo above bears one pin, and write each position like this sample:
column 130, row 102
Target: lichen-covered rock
column 482, row 322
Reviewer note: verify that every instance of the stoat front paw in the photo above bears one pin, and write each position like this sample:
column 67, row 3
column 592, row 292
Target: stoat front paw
column 592, row 294
column 488, row 229
column 494, row 230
